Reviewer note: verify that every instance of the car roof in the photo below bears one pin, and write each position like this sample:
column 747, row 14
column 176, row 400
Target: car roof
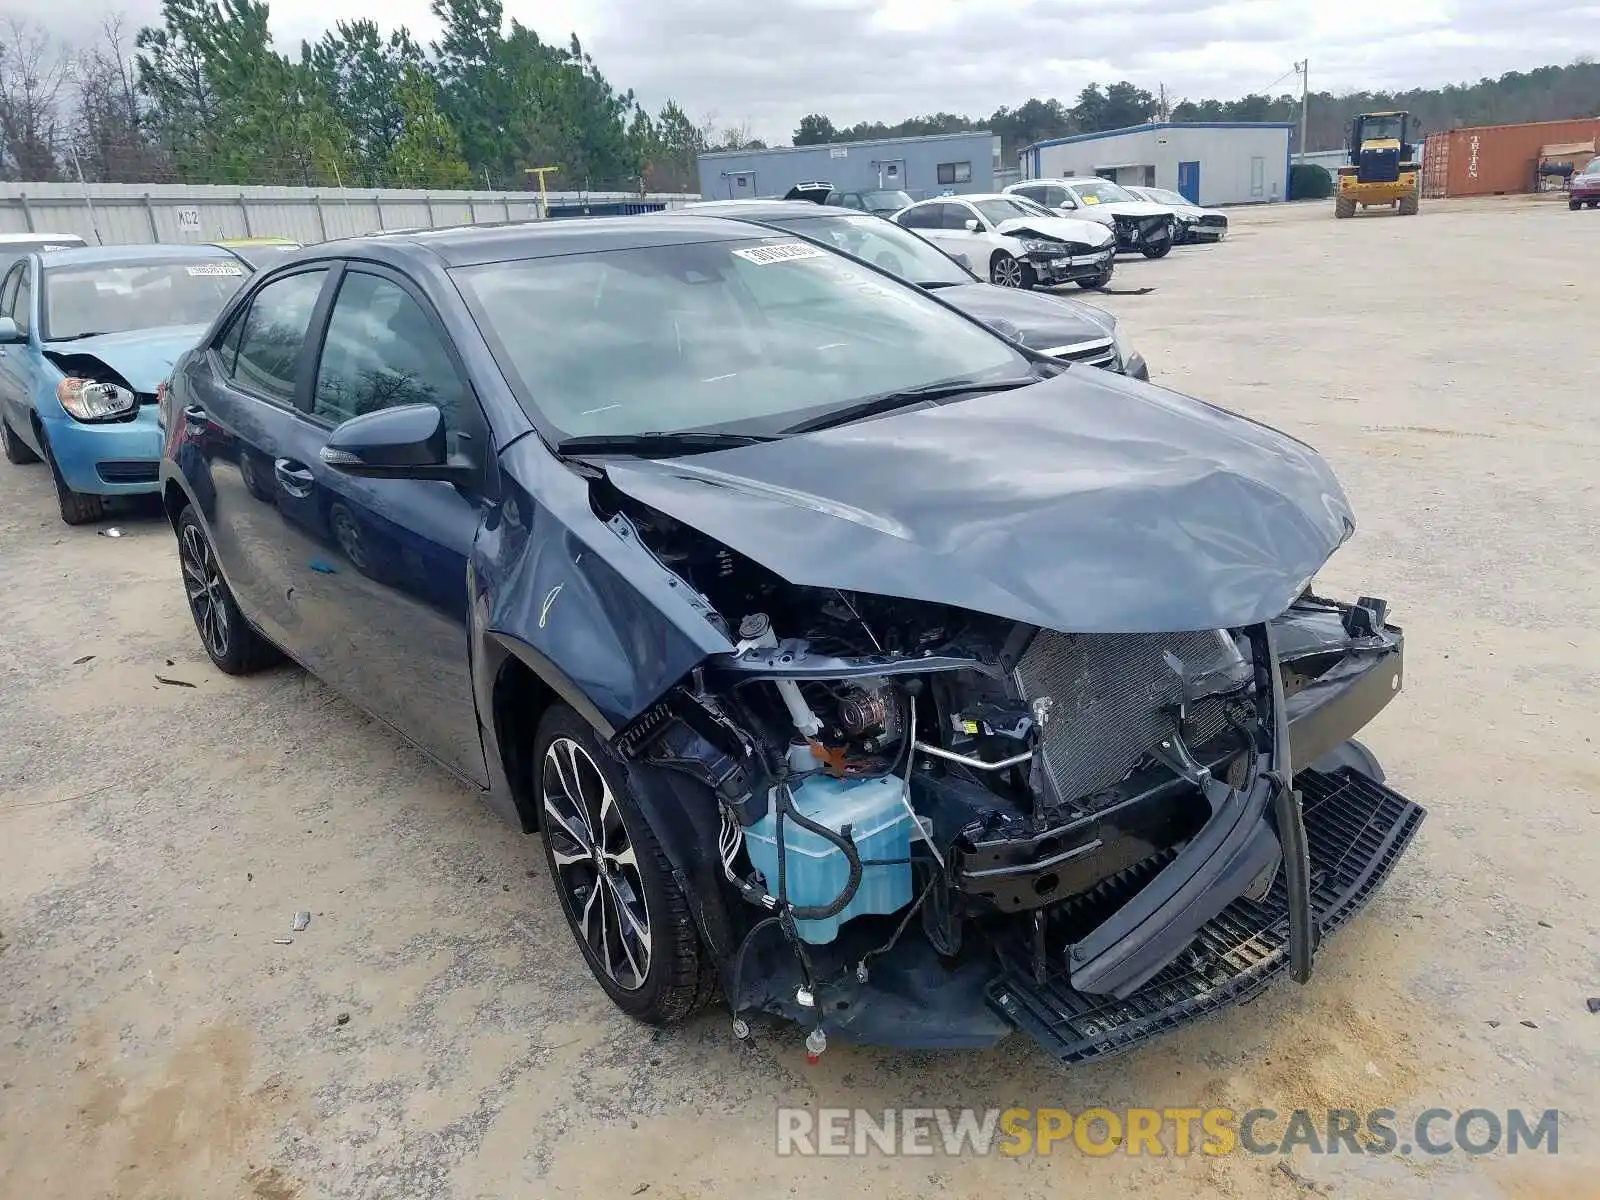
column 968, row 196
column 765, row 208
column 12, row 239
column 467, row 245
column 96, row 256
column 255, row 241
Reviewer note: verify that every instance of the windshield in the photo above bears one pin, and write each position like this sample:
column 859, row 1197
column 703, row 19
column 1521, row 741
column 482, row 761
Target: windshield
column 749, row 336
column 1593, row 168
column 892, row 247
column 1378, row 129
column 84, row 300
column 1009, row 209
column 1100, row 191
column 1162, row 196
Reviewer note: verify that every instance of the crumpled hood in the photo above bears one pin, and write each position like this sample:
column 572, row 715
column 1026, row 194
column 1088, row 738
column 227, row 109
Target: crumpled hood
column 1132, row 208
column 143, row 357
column 1066, row 229
column 1037, row 319
column 1085, row 503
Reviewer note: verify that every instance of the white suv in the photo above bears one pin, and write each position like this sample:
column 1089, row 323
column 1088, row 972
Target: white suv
column 1012, row 242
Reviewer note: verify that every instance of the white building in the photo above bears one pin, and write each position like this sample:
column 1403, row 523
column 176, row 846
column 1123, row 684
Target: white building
column 1210, row 162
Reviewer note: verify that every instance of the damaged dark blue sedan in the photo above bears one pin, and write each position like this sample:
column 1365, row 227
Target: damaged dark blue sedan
column 856, row 665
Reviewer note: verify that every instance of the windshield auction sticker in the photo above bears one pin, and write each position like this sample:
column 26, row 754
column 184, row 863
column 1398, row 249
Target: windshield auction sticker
column 778, row 252
column 229, row 269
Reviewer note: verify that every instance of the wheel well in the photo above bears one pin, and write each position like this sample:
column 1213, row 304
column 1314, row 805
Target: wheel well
column 174, row 502
column 998, row 255
column 520, row 701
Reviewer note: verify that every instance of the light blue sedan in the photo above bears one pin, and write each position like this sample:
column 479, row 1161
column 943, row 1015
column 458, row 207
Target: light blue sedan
column 87, row 336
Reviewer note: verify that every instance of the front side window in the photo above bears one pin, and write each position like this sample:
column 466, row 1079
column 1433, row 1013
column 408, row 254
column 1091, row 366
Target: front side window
column 1593, row 168
column 956, row 216
column 382, row 351
column 884, row 243
column 81, row 301
column 272, row 334
column 737, row 336
column 22, row 304
column 923, row 216
column 8, row 290
column 952, row 173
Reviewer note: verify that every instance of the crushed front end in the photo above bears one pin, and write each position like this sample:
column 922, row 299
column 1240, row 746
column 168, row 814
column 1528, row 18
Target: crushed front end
column 1139, row 233
column 935, row 826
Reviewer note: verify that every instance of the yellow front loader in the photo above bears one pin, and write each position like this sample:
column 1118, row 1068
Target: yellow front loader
column 1383, row 170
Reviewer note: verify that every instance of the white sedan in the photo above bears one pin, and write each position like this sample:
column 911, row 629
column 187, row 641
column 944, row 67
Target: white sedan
column 1013, row 242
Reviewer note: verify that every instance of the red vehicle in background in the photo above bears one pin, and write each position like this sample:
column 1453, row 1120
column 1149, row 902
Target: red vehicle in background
column 1586, row 187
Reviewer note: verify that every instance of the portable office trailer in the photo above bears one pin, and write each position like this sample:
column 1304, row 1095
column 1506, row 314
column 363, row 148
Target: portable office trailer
column 918, row 166
column 1209, row 162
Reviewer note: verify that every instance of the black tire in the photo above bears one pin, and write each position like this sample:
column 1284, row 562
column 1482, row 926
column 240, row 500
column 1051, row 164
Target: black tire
column 1160, row 249
column 1097, row 281
column 229, row 640
column 16, row 450
column 77, row 508
column 676, row 977
column 1006, row 270
column 1408, row 206
column 1344, row 208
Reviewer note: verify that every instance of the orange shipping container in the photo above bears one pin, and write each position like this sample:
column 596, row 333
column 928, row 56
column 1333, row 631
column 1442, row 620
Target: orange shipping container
column 1494, row 160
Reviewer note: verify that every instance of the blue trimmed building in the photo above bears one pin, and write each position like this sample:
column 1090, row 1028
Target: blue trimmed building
column 1210, row 162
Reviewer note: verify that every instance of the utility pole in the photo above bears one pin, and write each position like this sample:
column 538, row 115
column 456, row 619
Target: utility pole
column 1304, row 68
column 88, row 201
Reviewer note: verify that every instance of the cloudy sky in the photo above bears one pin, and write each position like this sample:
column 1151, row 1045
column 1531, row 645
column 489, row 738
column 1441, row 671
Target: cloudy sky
column 766, row 63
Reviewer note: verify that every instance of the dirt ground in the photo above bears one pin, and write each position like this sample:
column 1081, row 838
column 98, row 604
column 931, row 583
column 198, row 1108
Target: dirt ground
column 155, row 839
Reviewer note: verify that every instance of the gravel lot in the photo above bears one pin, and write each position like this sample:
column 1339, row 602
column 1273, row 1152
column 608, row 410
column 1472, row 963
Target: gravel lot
column 156, row 838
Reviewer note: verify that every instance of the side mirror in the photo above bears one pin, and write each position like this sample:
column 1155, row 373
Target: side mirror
column 407, row 442
column 1068, row 204
column 10, row 335
column 971, row 225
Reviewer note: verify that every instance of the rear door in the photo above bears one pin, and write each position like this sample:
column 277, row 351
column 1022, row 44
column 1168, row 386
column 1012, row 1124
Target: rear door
column 238, row 415
column 378, row 567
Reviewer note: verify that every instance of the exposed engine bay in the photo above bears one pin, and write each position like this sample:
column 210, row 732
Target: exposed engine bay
column 946, row 824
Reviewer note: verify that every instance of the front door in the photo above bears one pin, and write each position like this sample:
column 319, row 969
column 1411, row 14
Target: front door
column 239, row 416
column 379, row 566
column 1189, row 181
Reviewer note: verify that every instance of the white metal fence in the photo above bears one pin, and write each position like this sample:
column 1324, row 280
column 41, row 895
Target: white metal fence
column 124, row 213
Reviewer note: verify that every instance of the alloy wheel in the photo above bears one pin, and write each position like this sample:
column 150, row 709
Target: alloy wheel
column 1006, row 272
column 203, row 584
column 597, row 869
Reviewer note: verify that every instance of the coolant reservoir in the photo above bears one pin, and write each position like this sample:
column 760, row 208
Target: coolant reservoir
column 816, row 870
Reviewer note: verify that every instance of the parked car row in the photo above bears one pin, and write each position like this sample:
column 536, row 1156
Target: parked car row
column 1042, row 232
column 863, row 656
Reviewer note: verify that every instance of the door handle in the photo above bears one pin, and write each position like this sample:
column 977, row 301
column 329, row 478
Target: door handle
column 195, row 416
column 293, row 477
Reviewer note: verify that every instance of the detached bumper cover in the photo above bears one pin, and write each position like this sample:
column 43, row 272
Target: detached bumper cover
column 1357, row 831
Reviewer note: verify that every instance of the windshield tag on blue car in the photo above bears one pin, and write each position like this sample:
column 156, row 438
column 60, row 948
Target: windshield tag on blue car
column 779, row 252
